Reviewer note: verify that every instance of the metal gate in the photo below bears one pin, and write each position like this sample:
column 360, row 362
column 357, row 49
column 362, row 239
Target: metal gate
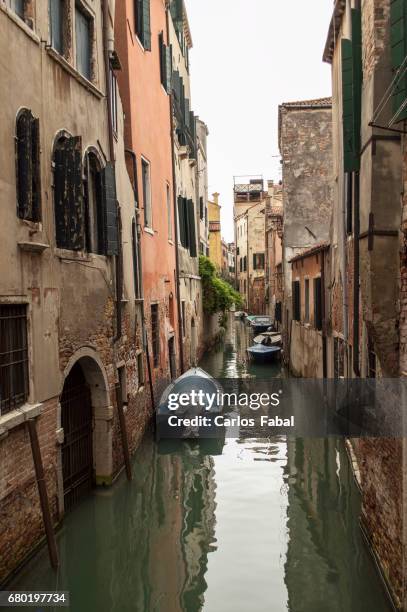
column 76, row 420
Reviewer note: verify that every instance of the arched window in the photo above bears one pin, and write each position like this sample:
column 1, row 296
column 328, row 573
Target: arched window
column 93, row 205
column 68, row 194
column 28, row 166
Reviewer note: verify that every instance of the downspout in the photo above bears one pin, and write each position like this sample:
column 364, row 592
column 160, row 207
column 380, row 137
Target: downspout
column 248, row 262
column 343, row 271
column 323, row 306
column 356, row 273
column 174, row 195
column 140, row 290
column 118, row 267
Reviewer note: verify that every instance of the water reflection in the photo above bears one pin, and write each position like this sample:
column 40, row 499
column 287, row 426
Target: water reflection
column 220, row 526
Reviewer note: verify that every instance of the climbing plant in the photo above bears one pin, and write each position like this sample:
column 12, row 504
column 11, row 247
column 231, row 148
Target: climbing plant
column 218, row 294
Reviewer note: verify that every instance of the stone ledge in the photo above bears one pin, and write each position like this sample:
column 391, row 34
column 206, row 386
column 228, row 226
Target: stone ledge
column 18, row 416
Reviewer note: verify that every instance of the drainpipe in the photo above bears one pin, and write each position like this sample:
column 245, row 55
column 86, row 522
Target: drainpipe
column 356, row 273
column 174, row 195
column 343, row 270
column 118, row 267
column 323, row 306
column 140, row 290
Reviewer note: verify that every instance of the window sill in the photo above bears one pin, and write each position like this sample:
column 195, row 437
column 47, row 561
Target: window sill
column 33, row 247
column 20, row 23
column 18, row 416
column 149, row 230
column 73, row 255
column 73, row 72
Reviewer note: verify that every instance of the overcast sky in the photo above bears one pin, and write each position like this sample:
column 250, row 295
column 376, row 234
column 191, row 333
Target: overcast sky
column 248, row 57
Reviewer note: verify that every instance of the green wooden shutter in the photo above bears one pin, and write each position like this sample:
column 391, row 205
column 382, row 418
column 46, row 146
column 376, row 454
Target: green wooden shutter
column 398, row 43
column 36, row 169
column 110, row 211
column 168, row 63
column 24, row 165
column 192, row 230
column 163, row 58
column 348, row 119
column 146, row 25
column 357, row 82
column 181, row 219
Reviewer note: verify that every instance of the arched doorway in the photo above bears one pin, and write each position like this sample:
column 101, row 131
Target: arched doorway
column 77, row 448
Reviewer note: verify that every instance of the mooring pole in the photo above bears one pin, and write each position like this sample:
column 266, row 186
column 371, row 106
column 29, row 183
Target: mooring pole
column 123, row 430
column 42, row 490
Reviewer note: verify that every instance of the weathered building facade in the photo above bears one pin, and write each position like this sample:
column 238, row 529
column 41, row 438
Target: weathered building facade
column 366, row 46
column 249, row 219
column 274, row 252
column 215, row 232
column 69, row 337
column 305, row 141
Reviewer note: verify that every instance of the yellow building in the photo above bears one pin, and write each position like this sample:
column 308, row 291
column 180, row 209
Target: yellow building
column 215, row 241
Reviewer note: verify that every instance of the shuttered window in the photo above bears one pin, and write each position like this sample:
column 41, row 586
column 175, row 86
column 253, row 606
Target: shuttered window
column 398, row 42
column 187, row 225
column 318, row 303
column 351, row 94
column 165, row 63
column 258, row 261
column 68, row 195
column 83, row 29
column 155, row 334
column 296, row 297
column 192, row 229
column 146, row 179
column 143, row 28
column 56, row 20
column 110, row 218
column 28, row 167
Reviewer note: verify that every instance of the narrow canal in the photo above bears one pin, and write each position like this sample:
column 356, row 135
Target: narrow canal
column 263, row 525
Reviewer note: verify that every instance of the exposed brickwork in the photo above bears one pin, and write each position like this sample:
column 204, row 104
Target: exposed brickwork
column 375, row 15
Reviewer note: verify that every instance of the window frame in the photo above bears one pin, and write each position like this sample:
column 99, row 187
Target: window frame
column 15, row 400
column 81, row 9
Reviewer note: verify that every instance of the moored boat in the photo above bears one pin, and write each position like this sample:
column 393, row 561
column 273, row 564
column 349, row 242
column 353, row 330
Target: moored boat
column 260, row 323
column 193, row 418
column 262, row 354
column 269, row 339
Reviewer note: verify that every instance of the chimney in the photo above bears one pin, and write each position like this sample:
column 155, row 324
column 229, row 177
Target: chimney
column 216, row 197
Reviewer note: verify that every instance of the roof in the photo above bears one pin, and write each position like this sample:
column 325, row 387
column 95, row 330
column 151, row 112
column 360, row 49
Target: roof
column 334, row 27
column 316, row 103
column 316, row 248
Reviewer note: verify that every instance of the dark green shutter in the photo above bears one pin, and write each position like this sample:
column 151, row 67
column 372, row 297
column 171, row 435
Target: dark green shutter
column 181, row 219
column 357, row 81
column 163, row 58
column 146, row 25
column 36, row 169
column 109, row 200
column 24, row 165
column 318, row 303
column 68, row 195
column 192, row 230
column 192, row 129
column 168, row 51
column 398, row 18
column 348, row 107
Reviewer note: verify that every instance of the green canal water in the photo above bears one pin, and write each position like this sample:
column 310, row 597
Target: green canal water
column 263, row 525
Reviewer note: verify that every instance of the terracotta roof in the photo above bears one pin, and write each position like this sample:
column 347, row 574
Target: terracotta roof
column 316, row 248
column 317, row 103
column 334, row 28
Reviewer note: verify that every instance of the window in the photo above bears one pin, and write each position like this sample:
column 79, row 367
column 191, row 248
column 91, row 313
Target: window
column 13, row 356
column 143, row 31
column 155, row 334
column 136, row 261
column 85, row 215
column 28, row 166
column 339, row 358
column 187, row 231
column 241, row 264
column 93, row 205
column 165, row 63
column 83, row 31
column 296, row 301
column 245, row 263
column 258, row 261
column 318, row 314
column 146, row 178
column 140, row 369
column 371, row 358
column 17, row 6
column 351, row 51
column 113, row 94
column 169, row 215
column 307, row 300
column 201, row 208
column 56, row 20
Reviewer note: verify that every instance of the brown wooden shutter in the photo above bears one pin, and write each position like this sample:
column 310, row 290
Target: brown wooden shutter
column 36, row 170
column 192, row 228
column 68, row 195
column 110, row 210
column 24, row 165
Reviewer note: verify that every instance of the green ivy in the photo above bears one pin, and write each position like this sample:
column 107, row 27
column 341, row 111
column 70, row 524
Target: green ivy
column 218, row 294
